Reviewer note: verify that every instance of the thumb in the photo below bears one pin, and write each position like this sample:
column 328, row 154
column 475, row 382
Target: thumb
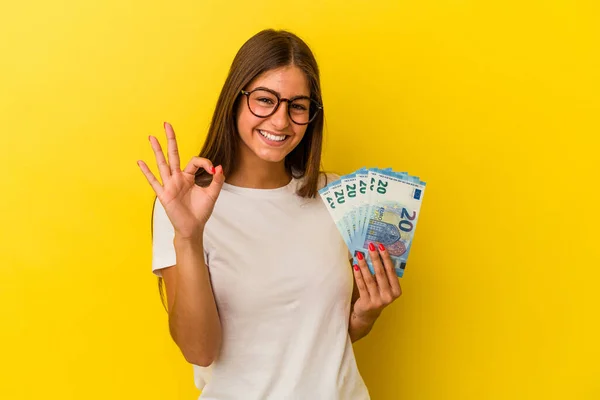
column 217, row 182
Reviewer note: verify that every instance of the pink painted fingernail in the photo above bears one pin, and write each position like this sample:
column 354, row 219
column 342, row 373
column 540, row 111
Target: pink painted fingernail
column 371, row 247
column 359, row 256
column 381, row 247
column 356, row 267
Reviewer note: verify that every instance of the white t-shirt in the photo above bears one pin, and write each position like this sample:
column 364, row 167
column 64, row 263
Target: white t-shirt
column 283, row 285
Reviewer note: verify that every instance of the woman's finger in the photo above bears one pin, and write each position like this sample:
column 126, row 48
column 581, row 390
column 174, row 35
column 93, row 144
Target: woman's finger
column 158, row 189
column 390, row 271
column 172, row 149
column 163, row 167
column 368, row 278
column 197, row 163
column 217, row 183
column 380, row 275
column 360, row 283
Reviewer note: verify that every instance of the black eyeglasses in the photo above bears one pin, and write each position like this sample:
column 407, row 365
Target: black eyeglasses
column 264, row 102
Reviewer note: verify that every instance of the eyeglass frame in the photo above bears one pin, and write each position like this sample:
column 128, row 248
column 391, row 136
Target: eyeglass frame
column 279, row 101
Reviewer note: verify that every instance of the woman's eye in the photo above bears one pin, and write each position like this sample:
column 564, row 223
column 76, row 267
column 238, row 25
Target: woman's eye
column 265, row 100
column 299, row 107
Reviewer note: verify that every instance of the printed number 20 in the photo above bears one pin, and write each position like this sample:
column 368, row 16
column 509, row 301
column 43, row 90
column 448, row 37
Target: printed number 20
column 405, row 225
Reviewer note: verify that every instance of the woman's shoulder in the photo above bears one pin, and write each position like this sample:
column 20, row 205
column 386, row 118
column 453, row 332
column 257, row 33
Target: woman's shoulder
column 326, row 178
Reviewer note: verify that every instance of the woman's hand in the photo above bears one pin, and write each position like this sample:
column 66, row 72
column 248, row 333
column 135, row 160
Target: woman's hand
column 376, row 292
column 187, row 205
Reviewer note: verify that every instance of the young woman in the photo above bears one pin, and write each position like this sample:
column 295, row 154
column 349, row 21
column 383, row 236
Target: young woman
column 260, row 294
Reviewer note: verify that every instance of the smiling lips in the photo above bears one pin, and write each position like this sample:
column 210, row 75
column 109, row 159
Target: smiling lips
column 271, row 138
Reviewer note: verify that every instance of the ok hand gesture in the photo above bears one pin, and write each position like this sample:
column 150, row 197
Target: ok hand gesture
column 187, row 205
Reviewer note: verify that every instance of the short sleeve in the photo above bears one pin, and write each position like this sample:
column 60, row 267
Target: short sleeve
column 163, row 251
column 163, row 233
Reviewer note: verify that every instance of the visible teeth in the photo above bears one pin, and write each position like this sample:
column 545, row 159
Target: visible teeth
column 272, row 137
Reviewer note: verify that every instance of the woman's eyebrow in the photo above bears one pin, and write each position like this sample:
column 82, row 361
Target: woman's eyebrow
column 279, row 94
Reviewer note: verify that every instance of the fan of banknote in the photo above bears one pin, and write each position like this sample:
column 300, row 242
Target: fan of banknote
column 375, row 205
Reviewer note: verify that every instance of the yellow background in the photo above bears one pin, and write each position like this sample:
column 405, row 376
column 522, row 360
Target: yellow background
column 494, row 103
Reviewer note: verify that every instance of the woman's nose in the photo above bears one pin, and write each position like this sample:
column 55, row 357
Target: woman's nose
column 281, row 119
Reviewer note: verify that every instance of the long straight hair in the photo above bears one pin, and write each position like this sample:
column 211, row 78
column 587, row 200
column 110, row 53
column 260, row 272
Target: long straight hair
column 267, row 50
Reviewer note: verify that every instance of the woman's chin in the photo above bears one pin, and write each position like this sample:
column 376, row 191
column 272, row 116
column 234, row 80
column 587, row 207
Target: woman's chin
column 272, row 158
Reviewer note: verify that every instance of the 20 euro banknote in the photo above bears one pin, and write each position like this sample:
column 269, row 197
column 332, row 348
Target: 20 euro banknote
column 376, row 206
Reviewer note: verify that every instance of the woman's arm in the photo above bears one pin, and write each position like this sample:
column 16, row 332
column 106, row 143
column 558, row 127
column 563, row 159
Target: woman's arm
column 193, row 317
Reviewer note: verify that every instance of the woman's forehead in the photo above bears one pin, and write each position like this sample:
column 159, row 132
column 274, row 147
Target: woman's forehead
column 287, row 81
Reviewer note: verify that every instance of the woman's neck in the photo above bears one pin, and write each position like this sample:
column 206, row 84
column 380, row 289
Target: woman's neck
column 259, row 175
